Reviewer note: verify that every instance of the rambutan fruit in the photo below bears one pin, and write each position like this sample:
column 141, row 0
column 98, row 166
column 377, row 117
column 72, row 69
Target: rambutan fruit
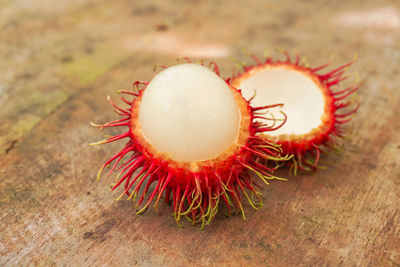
column 193, row 136
column 315, row 102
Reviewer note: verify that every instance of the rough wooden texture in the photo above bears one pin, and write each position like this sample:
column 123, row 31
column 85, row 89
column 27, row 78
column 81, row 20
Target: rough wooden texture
column 59, row 60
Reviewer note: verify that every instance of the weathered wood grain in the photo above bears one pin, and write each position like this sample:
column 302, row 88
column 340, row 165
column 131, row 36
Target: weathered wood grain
column 58, row 61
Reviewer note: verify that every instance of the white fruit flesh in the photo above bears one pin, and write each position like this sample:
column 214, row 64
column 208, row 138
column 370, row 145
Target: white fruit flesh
column 189, row 112
column 303, row 100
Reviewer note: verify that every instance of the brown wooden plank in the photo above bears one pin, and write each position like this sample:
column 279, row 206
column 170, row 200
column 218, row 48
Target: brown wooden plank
column 59, row 61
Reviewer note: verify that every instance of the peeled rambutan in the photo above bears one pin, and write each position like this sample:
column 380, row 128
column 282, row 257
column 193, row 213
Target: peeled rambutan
column 193, row 136
column 315, row 103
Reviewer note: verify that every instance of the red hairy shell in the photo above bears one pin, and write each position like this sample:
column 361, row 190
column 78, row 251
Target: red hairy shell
column 339, row 109
column 193, row 188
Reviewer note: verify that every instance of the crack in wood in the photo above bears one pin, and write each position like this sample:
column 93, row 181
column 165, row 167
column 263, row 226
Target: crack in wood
column 11, row 146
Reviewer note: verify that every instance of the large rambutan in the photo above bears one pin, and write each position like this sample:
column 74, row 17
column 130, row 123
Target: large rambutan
column 315, row 102
column 193, row 136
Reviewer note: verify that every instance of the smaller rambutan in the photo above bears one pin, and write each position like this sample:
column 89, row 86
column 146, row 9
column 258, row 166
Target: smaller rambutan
column 193, row 137
column 316, row 104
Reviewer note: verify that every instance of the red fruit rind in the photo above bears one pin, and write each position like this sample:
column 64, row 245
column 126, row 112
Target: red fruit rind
column 194, row 188
column 340, row 106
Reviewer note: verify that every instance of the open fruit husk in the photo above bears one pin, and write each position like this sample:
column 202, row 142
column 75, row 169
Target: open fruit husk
column 315, row 101
column 191, row 137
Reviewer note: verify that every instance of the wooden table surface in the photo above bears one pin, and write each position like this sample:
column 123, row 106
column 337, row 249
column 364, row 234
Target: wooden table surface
column 60, row 59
